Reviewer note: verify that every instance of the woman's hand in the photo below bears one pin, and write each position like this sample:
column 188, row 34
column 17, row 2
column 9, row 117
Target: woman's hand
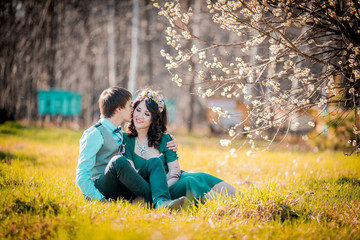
column 172, row 145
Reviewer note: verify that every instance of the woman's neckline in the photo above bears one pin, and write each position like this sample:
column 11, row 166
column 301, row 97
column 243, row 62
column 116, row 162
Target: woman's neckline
column 138, row 154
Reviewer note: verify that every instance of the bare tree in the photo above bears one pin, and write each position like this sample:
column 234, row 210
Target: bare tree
column 58, row 44
column 196, row 31
column 134, row 47
column 111, row 45
column 148, row 41
column 27, row 54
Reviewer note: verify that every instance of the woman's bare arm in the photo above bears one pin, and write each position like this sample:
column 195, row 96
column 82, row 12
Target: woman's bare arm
column 174, row 172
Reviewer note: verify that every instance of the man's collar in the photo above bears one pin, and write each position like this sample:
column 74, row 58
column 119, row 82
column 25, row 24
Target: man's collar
column 109, row 125
column 117, row 130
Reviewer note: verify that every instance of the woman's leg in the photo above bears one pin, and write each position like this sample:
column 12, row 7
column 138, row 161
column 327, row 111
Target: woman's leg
column 223, row 189
column 153, row 172
column 185, row 186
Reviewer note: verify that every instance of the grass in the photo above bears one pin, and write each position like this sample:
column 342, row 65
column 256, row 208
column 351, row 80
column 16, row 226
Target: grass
column 287, row 194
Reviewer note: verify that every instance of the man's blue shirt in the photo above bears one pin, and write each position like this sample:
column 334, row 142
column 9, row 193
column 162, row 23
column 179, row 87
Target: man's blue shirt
column 90, row 143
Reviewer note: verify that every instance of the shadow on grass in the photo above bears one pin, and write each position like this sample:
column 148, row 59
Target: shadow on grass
column 345, row 180
column 348, row 180
column 37, row 205
column 7, row 158
column 40, row 134
column 11, row 128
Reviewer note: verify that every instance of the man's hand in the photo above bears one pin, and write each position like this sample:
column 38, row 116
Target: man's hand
column 172, row 145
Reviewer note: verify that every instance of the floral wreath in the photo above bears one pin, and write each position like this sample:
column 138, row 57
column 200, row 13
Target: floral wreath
column 156, row 97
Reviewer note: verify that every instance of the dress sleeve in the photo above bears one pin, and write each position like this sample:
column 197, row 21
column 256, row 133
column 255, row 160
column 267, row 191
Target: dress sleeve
column 170, row 155
column 172, row 162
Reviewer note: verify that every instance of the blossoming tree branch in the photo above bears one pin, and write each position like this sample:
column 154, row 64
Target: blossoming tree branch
column 284, row 59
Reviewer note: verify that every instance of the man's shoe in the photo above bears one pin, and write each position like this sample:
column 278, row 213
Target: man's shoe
column 175, row 204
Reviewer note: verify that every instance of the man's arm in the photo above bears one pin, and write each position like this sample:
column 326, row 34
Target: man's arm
column 172, row 145
column 90, row 143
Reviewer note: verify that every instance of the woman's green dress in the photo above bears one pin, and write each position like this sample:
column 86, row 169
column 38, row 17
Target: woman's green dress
column 191, row 185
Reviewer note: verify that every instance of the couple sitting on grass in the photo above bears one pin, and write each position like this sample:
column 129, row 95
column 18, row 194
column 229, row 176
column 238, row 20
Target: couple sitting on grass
column 140, row 162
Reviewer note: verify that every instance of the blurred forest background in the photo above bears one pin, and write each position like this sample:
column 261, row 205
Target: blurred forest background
column 84, row 46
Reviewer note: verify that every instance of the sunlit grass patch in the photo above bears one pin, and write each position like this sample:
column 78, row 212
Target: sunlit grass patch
column 285, row 194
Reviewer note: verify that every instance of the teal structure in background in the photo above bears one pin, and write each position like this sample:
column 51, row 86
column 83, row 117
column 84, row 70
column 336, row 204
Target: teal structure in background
column 170, row 107
column 59, row 102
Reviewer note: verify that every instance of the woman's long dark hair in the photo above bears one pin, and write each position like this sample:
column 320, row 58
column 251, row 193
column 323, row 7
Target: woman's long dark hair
column 158, row 122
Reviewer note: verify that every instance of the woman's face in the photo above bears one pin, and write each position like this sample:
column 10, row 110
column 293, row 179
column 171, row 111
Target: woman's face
column 142, row 116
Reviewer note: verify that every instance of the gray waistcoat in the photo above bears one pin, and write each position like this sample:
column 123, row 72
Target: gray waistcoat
column 109, row 149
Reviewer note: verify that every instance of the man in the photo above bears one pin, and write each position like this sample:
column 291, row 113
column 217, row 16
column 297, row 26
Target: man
column 103, row 173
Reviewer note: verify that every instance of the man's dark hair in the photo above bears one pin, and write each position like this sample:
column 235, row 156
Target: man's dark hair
column 111, row 99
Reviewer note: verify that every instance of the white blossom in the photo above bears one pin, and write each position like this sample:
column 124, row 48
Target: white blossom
column 225, row 142
column 248, row 153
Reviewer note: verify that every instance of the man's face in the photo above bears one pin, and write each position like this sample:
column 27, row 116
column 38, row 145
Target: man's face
column 126, row 112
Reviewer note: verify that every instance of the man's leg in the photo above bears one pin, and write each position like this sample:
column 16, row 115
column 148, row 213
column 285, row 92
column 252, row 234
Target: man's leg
column 153, row 171
column 121, row 180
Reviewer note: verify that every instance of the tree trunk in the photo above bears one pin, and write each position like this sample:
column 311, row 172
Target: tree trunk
column 148, row 40
column 111, row 45
column 134, row 47
column 85, row 10
column 53, row 34
column 196, row 30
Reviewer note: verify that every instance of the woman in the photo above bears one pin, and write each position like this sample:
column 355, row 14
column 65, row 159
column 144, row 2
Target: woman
column 146, row 139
